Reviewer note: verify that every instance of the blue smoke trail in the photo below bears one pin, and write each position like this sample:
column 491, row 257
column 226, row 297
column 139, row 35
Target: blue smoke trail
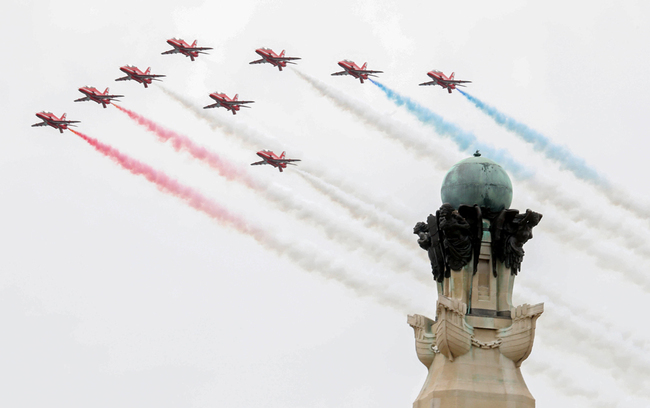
column 465, row 140
column 557, row 153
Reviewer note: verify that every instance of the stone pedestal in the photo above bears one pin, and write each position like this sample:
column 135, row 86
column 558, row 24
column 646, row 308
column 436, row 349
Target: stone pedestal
column 474, row 348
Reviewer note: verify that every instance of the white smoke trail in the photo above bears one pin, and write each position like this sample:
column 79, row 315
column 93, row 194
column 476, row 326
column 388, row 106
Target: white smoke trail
column 390, row 227
column 307, row 258
column 249, row 136
column 583, row 338
column 286, row 200
column 390, row 128
column 565, row 158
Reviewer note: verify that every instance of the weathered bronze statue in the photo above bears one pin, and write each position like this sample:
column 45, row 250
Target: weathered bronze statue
column 451, row 237
column 510, row 232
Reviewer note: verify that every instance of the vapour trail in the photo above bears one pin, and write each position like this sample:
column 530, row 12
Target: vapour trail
column 466, row 141
column 395, row 131
column 566, row 385
column 284, row 199
column 249, row 136
column 564, row 157
column 252, row 138
column 635, row 238
column 574, row 334
column 384, row 223
column 308, row 259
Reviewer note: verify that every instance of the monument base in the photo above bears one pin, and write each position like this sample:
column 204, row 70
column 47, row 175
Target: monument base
column 482, row 378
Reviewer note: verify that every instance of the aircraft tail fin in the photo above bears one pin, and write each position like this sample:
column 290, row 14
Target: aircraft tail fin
column 147, row 71
column 452, row 75
column 194, row 44
column 106, row 91
column 235, row 97
column 282, row 155
column 282, row 53
column 63, row 117
column 364, row 65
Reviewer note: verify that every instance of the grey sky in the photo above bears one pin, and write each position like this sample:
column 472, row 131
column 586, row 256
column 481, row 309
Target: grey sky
column 113, row 293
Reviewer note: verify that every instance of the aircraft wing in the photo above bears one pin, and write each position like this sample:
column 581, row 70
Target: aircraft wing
column 214, row 105
column 151, row 76
column 341, row 73
column 261, row 61
column 82, row 99
column 287, row 58
column 126, row 78
column 174, row 51
column 429, row 83
column 39, row 124
column 232, row 103
column 112, row 96
column 64, row 122
column 197, row 49
column 258, row 163
column 367, row 72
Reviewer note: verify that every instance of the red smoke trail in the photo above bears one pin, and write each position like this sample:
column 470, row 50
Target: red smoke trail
column 180, row 142
column 167, row 184
column 308, row 259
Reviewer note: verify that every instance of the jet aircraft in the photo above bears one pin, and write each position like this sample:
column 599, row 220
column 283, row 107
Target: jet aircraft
column 184, row 48
column 145, row 78
column 93, row 94
column 272, row 58
column 268, row 157
column 353, row 69
column 446, row 82
column 224, row 100
column 49, row 119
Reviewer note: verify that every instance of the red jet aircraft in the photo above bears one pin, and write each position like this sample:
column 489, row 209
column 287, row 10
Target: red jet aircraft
column 135, row 74
column 353, row 69
column 271, row 158
column 224, row 100
column 93, row 94
column 272, row 58
column 441, row 79
column 184, row 48
column 48, row 118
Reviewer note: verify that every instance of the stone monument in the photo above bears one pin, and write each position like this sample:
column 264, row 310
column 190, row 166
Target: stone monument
column 476, row 344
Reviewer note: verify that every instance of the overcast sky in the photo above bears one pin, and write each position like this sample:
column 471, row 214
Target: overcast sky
column 114, row 293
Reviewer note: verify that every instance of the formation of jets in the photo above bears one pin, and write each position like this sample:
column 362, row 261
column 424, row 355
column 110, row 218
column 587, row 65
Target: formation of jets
column 221, row 99
column 224, row 101
column 268, row 157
